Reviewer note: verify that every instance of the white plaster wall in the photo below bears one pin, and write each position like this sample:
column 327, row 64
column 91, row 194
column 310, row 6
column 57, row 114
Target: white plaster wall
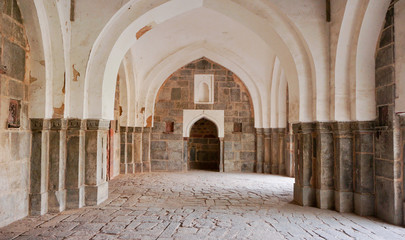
column 400, row 55
column 89, row 21
column 337, row 12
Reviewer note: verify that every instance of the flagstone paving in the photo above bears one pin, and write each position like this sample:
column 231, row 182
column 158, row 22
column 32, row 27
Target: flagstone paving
column 200, row 205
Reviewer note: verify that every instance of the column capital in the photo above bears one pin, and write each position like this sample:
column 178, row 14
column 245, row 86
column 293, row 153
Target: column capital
column 97, row 124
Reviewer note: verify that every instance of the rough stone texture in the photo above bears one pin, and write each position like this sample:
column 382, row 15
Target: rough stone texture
column 57, row 165
column 75, row 163
column 343, row 152
column 281, row 152
column 364, row 194
column 267, row 150
column 123, row 150
column 274, row 159
column 146, row 140
column 260, row 151
column 200, row 205
column 289, row 153
column 95, row 179
column 325, row 198
column 230, row 95
column 388, row 170
column 138, row 149
column 15, row 143
column 305, row 179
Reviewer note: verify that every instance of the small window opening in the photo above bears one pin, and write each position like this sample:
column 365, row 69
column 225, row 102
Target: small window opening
column 169, row 127
column 237, row 127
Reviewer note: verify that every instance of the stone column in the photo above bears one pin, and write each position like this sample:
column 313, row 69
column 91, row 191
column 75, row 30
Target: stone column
column 281, row 152
column 364, row 195
column 123, row 158
column 38, row 198
column 343, row 151
column 304, row 187
column 57, row 165
column 75, row 139
column 130, row 150
column 96, row 185
column 146, row 132
column 185, row 154
column 325, row 194
column 221, row 155
column 138, row 150
column 267, row 150
column 402, row 159
column 274, row 160
column 259, row 150
column 289, row 154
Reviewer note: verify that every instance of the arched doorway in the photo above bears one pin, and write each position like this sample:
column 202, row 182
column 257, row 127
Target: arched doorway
column 204, row 146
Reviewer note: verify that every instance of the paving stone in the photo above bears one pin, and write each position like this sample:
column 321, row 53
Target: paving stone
column 200, row 205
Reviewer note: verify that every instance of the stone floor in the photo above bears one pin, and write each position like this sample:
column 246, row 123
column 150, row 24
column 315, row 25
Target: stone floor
column 200, row 205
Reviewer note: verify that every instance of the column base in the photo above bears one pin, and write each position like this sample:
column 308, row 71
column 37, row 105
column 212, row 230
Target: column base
column 344, row 201
column 138, row 167
column 364, row 204
column 266, row 168
column 146, row 166
column 274, row 170
column 38, row 203
column 75, row 198
column 325, row 199
column 57, row 201
column 96, row 194
column 259, row 167
column 123, row 168
column 130, row 168
column 304, row 196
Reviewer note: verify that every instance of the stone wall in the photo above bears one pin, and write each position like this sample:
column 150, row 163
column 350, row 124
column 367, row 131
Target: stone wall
column 14, row 132
column 177, row 94
column 388, row 170
column 203, row 146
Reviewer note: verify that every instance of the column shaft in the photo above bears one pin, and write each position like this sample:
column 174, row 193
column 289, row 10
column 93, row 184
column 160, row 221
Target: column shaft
column 343, row 151
column 259, row 150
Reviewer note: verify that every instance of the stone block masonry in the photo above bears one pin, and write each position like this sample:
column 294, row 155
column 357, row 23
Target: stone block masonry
column 230, row 95
column 15, row 139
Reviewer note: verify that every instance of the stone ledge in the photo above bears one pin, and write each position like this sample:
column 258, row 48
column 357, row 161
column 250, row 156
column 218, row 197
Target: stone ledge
column 96, row 124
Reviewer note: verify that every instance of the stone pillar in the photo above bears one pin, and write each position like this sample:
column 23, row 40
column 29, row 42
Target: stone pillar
column 123, row 158
column 364, row 195
column 281, row 152
column 185, row 155
column 402, row 159
column 274, row 161
column 221, row 155
column 96, row 185
column 343, row 151
column 138, row 150
column 130, row 150
column 38, row 198
column 146, row 134
column 304, row 186
column 75, row 139
column 259, row 150
column 57, row 165
column 289, row 153
column 267, row 150
column 325, row 194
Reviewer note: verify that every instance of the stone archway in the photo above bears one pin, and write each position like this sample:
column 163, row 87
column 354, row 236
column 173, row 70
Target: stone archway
column 204, row 146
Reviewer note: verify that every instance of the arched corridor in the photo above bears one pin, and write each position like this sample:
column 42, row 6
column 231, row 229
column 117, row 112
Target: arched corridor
column 201, row 205
column 136, row 90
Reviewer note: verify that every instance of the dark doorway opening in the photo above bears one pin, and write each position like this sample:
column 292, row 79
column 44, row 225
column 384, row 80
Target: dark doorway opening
column 204, row 146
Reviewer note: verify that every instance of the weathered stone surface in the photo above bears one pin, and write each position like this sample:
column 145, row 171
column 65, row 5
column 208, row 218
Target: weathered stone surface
column 140, row 207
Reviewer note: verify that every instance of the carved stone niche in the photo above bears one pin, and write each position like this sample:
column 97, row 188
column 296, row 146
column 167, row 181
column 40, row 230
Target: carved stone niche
column 14, row 109
column 203, row 88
